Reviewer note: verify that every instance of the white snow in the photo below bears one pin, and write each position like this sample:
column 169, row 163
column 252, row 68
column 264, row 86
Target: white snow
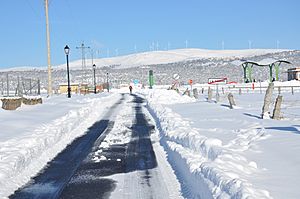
column 33, row 135
column 222, row 153
column 214, row 151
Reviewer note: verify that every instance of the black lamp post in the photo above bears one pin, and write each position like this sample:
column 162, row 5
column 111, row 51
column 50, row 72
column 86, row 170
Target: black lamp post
column 94, row 68
column 107, row 84
column 67, row 50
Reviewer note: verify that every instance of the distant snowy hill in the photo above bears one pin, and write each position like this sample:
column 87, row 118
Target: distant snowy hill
column 158, row 57
column 195, row 64
column 172, row 56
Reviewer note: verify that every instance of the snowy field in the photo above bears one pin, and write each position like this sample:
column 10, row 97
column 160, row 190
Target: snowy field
column 215, row 152
column 33, row 135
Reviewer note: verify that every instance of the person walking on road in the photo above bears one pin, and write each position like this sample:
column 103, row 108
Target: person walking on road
column 130, row 89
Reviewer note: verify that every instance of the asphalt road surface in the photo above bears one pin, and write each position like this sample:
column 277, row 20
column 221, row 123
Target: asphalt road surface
column 74, row 174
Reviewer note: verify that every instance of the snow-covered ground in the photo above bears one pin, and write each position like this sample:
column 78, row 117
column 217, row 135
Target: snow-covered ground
column 218, row 152
column 33, row 135
column 215, row 152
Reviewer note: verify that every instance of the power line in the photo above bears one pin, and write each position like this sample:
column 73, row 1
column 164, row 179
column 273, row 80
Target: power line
column 82, row 47
column 33, row 10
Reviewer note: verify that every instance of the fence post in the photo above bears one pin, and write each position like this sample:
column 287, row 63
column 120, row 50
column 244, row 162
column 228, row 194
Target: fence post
column 260, row 86
column 39, row 87
column 195, row 93
column 209, row 96
column 292, row 90
column 267, row 101
column 279, row 90
column 276, row 111
column 217, row 93
column 231, row 100
column 30, row 87
column 7, row 82
column 240, row 91
column 2, row 89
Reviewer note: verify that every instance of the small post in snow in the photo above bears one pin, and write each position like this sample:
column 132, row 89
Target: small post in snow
column 267, row 101
column 209, row 96
column 7, row 85
column 217, row 93
column 231, row 101
column 260, row 86
column 276, row 111
column 195, row 93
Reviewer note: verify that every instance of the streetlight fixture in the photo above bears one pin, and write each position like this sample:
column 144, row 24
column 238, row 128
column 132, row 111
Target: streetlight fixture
column 67, row 50
column 107, row 84
column 94, row 68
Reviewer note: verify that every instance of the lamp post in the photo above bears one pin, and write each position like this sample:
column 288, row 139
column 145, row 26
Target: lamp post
column 67, row 50
column 94, row 68
column 107, row 84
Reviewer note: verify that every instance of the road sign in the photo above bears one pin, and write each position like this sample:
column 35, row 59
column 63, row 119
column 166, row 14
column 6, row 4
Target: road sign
column 136, row 81
column 176, row 76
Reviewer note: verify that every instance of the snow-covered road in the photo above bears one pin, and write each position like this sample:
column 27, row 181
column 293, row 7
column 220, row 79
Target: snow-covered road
column 114, row 158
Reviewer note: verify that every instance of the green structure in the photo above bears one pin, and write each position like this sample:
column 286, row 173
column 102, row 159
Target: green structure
column 151, row 79
column 247, row 67
column 276, row 66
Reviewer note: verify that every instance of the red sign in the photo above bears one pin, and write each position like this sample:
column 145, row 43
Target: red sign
column 191, row 81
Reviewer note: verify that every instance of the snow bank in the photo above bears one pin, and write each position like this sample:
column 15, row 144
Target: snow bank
column 164, row 96
column 205, row 167
column 23, row 156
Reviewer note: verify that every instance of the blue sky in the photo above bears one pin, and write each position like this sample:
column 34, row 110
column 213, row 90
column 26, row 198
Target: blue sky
column 125, row 26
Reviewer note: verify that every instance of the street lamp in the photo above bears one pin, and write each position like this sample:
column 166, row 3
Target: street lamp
column 107, row 84
column 94, row 68
column 67, row 50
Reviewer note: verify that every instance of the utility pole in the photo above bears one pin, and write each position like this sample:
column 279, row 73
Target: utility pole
column 82, row 47
column 7, row 83
column 2, row 90
column 92, row 56
column 48, row 49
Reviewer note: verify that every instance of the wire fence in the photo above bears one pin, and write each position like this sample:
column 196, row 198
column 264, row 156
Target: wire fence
column 16, row 86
